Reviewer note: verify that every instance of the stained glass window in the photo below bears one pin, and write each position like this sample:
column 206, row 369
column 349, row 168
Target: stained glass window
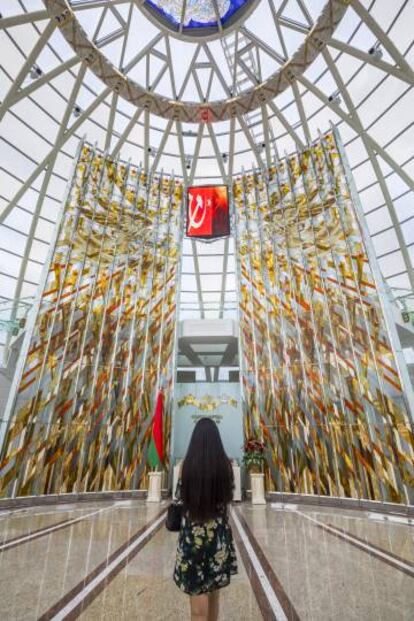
column 198, row 13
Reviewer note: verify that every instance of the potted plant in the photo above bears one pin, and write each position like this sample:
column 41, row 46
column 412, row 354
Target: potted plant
column 254, row 459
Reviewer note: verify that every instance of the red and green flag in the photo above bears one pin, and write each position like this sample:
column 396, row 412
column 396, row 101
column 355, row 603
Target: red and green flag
column 155, row 449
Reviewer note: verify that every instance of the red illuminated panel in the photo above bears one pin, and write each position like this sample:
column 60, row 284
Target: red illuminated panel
column 208, row 211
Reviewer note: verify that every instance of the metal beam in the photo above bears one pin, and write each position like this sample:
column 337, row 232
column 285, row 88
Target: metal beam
column 111, row 120
column 218, row 18
column 161, row 146
column 301, row 110
column 384, row 39
column 82, row 5
column 401, row 74
column 27, row 66
column 352, row 123
column 63, row 137
column 24, row 18
column 43, row 190
column 67, row 134
column 263, row 46
column 42, row 80
column 288, row 127
column 250, row 140
column 374, row 163
column 216, row 68
column 293, row 25
column 114, row 102
column 189, row 71
column 146, row 139
column 58, row 70
column 193, row 243
column 171, row 67
column 182, row 151
column 219, row 157
column 184, row 7
column 232, row 135
column 267, row 134
column 124, row 136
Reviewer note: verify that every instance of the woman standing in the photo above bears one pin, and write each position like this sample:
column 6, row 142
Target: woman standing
column 206, row 556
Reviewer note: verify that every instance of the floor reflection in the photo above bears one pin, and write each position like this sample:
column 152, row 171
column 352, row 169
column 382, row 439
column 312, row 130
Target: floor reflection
column 114, row 560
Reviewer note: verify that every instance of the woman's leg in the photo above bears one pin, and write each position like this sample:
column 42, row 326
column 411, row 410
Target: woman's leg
column 199, row 607
column 213, row 605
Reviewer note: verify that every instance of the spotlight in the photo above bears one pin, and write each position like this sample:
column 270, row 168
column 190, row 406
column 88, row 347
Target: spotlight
column 224, row 156
column 335, row 98
column 35, row 72
column 77, row 111
column 376, row 51
column 188, row 163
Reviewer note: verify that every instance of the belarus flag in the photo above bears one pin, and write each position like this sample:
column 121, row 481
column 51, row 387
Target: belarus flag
column 155, row 450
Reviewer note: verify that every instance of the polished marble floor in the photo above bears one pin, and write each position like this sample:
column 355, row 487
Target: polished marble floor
column 113, row 561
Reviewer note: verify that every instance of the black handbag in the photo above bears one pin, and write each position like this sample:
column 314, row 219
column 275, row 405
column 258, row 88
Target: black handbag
column 174, row 515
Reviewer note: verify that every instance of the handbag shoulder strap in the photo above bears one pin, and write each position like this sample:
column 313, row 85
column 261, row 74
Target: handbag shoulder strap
column 178, row 490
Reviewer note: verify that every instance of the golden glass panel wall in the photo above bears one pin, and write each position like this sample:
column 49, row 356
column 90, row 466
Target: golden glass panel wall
column 103, row 337
column 320, row 378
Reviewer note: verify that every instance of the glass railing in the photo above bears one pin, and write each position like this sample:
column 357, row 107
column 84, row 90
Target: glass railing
column 404, row 298
column 13, row 315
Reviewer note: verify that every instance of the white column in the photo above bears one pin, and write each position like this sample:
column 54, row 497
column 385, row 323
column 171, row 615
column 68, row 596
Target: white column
column 154, row 487
column 258, row 494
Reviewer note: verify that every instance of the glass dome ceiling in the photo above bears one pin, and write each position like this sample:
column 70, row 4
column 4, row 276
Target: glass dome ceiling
column 361, row 79
column 198, row 15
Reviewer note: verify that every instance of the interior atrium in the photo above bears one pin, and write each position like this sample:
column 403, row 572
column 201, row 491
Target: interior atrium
column 207, row 211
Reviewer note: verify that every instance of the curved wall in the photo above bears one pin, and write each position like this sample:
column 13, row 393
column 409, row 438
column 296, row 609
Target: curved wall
column 321, row 382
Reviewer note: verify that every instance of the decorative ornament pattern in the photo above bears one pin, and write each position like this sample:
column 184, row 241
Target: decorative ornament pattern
column 207, row 403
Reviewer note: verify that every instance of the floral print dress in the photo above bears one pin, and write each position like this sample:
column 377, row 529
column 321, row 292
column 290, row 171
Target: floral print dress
column 206, row 557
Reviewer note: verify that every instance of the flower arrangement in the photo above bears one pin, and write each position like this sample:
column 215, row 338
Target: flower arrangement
column 253, row 457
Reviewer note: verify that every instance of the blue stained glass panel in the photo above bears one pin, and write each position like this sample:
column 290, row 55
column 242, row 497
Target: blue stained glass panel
column 198, row 13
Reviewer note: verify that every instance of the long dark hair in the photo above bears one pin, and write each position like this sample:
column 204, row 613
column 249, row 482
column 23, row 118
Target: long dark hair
column 207, row 475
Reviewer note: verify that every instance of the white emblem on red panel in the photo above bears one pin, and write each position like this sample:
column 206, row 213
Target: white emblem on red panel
column 197, row 213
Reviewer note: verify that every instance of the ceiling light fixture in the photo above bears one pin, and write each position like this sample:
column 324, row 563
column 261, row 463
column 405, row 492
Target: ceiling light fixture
column 35, row 72
column 335, row 98
column 376, row 51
